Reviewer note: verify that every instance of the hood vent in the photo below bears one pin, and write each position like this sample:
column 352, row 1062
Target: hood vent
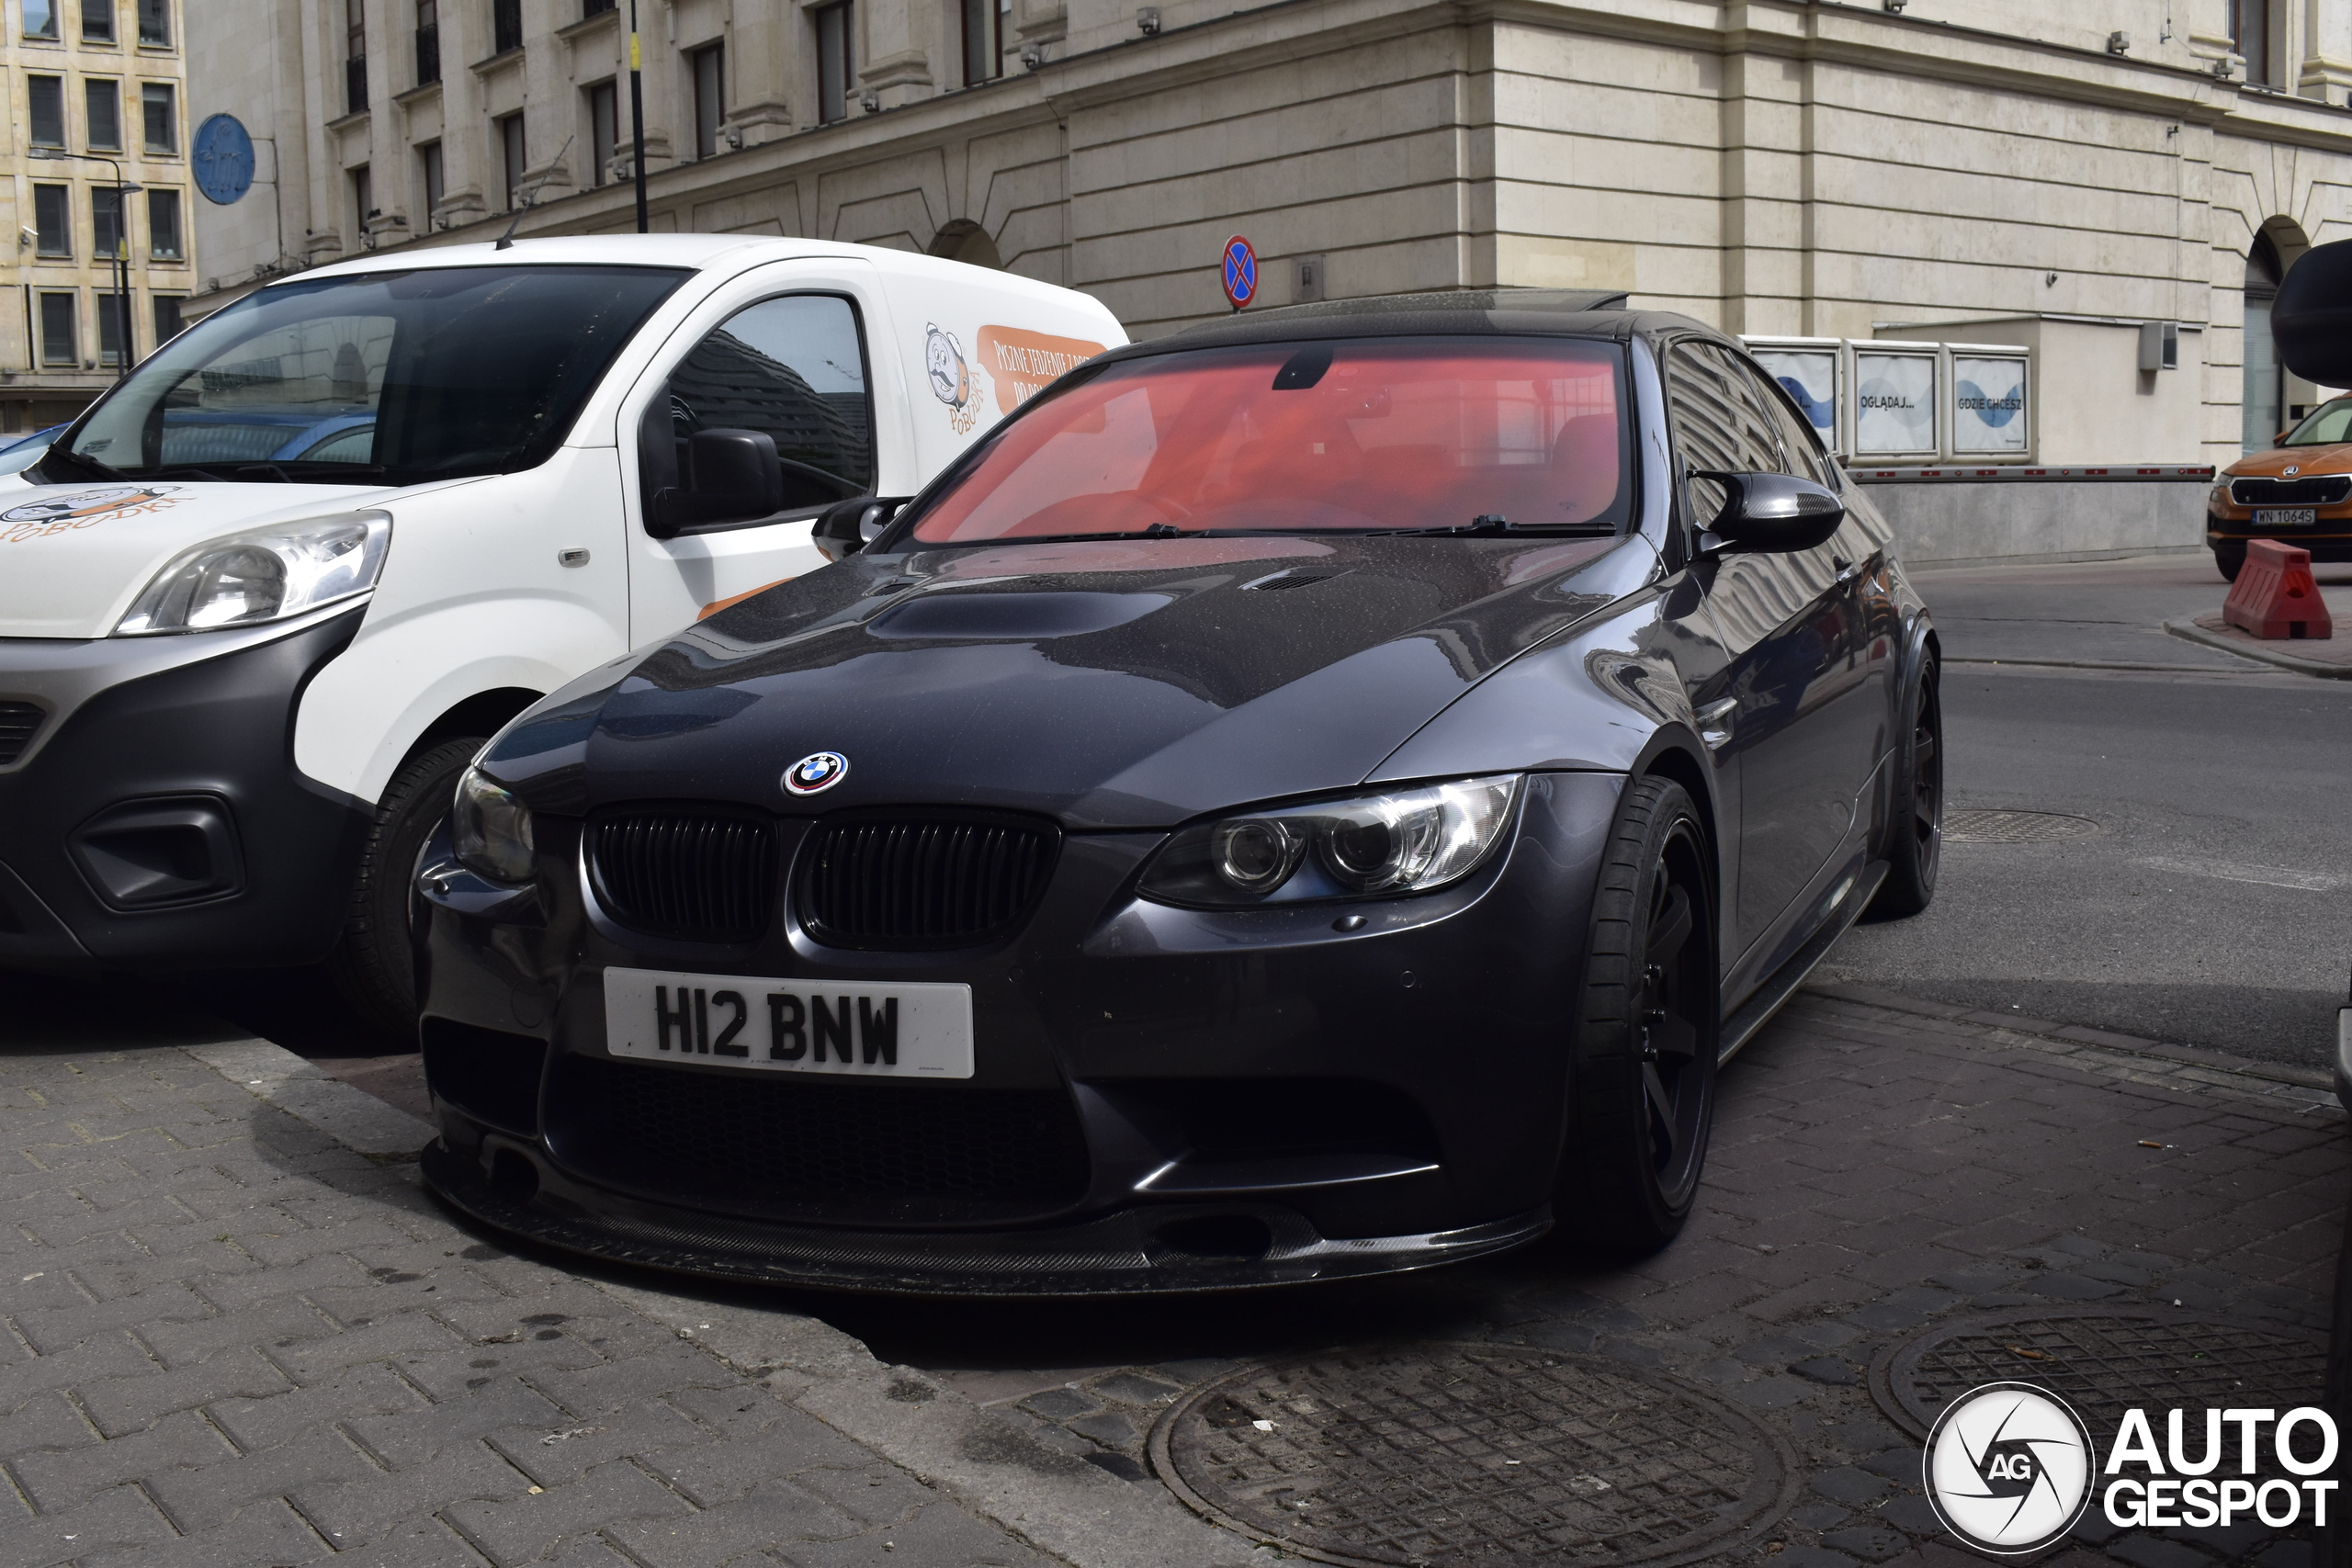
column 684, row 872
column 20, row 722
column 1293, row 578
column 915, row 883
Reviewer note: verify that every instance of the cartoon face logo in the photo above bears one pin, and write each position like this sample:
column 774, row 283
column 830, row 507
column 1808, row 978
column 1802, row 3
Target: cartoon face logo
column 90, row 504
column 815, row 774
column 942, row 357
column 2008, row 1468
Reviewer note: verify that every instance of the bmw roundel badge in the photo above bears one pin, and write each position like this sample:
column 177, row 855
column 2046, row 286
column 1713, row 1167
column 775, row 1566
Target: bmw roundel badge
column 817, row 771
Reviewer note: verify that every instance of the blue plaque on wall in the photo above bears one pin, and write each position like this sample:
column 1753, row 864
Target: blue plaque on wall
column 224, row 159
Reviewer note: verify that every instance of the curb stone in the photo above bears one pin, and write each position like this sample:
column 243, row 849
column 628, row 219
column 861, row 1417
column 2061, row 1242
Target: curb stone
column 2190, row 631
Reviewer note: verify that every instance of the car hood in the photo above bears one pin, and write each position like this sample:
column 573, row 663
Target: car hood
column 74, row 557
column 1128, row 684
column 2273, row 462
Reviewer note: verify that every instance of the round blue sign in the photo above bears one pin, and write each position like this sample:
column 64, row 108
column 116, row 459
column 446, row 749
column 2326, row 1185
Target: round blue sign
column 224, row 159
column 1240, row 272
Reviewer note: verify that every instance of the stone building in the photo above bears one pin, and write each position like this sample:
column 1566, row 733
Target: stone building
column 2058, row 177
column 93, row 160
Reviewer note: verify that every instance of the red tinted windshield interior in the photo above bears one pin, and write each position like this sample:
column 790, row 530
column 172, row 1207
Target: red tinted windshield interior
column 1358, row 435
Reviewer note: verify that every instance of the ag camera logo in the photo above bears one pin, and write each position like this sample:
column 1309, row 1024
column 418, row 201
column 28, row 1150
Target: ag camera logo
column 2008, row 1468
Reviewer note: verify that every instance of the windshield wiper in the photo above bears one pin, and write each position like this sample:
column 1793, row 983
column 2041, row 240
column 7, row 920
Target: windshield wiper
column 88, row 465
column 1492, row 526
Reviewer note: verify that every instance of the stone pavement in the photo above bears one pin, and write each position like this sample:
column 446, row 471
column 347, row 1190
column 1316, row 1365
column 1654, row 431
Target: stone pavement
column 237, row 1340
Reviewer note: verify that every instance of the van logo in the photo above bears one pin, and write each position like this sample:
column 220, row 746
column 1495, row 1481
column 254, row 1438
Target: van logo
column 950, row 376
column 817, row 771
column 80, row 509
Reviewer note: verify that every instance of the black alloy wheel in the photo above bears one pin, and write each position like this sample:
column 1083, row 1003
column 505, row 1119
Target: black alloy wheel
column 1641, row 1083
column 374, row 962
column 2230, row 559
column 1914, row 842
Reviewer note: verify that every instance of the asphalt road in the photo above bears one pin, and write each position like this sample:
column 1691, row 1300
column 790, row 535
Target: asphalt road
column 2214, row 904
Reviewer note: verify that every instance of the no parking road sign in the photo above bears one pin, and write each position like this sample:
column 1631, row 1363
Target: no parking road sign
column 1240, row 272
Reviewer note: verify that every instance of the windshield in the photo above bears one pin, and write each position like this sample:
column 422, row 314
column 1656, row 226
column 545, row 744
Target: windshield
column 1363, row 436
column 399, row 375
column 2329, row 423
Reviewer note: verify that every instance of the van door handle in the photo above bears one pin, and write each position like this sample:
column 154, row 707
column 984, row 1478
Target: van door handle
column 1715, row 722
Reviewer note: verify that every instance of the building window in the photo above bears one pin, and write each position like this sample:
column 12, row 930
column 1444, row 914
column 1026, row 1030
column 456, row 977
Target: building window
column 835, row 61
column 428, row 42
column 505, row 26
column 512, row 158
column 40, row 18
column 159, row 117
column 603, row 132
column 710, row 97
column 168, row 317
column 363, row 201
column 595, row 7
column 164, row 226
column 428, row 172
column 355, row 56
column 2263, row 394
column 155, row 23
column 98, row 21
column 106, row 221
column 983, row 41
column 52, row 220
column 2250, row 36
column 102, row 100
column 60, row 342
column 45, row 104
column 110, row 324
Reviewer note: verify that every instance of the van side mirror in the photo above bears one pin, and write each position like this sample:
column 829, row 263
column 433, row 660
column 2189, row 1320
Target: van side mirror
column 1773, row 513
column 848, row 526
column 732, row 476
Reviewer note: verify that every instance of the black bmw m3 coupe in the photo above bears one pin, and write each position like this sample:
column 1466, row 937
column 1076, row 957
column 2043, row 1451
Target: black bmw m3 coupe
column 1318, row 794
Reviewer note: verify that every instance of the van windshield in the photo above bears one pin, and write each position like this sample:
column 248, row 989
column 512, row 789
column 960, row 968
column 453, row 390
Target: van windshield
column 391, row 377
column 1434, row 435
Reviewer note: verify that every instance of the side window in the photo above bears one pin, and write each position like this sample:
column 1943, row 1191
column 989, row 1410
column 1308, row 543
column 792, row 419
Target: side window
column 1797, row 442
column 1717, row 424
column 792, row 367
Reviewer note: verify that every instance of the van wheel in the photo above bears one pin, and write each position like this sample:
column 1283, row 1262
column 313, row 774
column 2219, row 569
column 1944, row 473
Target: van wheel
column 374, row 962
column 1641, row 1078
column 1913, row 840
column 2230, row 559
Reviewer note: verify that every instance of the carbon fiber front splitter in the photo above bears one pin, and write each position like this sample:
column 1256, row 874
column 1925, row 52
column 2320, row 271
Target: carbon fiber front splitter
column 1127, row 1253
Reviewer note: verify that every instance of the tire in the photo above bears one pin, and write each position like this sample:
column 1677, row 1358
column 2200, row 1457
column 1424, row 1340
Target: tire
column 374, row 962
column 1914, row 841
column 2229, row 560
column 1641, row 1075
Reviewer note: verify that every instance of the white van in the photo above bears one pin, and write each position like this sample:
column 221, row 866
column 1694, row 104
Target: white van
column 261, row 603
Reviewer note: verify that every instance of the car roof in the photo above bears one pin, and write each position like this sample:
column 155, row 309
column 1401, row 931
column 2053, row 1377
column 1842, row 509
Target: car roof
column 1497, row 312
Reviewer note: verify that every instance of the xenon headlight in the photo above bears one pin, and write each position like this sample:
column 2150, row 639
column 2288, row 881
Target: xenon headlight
column 1383, row 845
column 491, row 828
column 264, row 574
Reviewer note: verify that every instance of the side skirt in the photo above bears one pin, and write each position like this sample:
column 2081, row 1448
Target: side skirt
column 1768, row 999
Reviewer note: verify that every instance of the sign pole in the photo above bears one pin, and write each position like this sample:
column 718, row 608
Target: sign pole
column 636, row 116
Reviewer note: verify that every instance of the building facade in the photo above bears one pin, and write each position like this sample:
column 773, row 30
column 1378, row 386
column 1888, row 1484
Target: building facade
column 97, row 190
column 2057, row 177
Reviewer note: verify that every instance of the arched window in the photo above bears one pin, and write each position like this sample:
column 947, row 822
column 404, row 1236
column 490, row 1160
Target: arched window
column 2262, row 397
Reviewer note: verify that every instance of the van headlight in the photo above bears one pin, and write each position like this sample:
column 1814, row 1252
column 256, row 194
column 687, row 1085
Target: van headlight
column 264, row 574
column 1368, row 846
column 490, row 827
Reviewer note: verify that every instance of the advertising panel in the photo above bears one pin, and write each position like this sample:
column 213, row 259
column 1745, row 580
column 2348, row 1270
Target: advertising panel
column 1895, row 401
column 1988, row 404
column 1809, row 375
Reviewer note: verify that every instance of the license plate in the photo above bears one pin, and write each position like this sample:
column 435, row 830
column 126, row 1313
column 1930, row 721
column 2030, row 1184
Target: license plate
column 905, row 1031
column 2293, row 517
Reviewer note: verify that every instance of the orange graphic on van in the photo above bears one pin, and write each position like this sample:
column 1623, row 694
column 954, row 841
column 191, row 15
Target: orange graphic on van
column 61, row 513
column 1022, row 363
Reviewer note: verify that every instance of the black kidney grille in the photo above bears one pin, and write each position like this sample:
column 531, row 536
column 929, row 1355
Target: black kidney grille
column 2323, row 490
column 920, row 883
column 803, row 1146
column 18, row 723
column 697, row 875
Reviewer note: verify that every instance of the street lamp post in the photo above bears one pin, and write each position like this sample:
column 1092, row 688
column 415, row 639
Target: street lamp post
column 121, row 260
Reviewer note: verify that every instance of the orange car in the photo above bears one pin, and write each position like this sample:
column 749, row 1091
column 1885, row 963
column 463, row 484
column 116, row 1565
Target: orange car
column 2298, row 492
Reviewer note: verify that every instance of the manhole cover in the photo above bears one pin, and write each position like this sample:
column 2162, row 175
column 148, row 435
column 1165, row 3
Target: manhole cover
column 1470, row 1453
column 2102, row 1362
column 2013, row 827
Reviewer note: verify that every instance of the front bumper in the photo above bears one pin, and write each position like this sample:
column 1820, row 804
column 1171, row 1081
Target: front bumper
column 1258, row 1099
column 2329, row 539
column 156, row 820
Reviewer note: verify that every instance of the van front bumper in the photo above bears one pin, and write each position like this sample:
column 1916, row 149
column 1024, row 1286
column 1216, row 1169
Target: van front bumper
column 154, row 818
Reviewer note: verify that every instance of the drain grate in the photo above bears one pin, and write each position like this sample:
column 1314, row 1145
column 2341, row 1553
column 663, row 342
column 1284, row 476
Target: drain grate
column 2015, row 826
column 2102, row 1362
column 1471, row 1453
